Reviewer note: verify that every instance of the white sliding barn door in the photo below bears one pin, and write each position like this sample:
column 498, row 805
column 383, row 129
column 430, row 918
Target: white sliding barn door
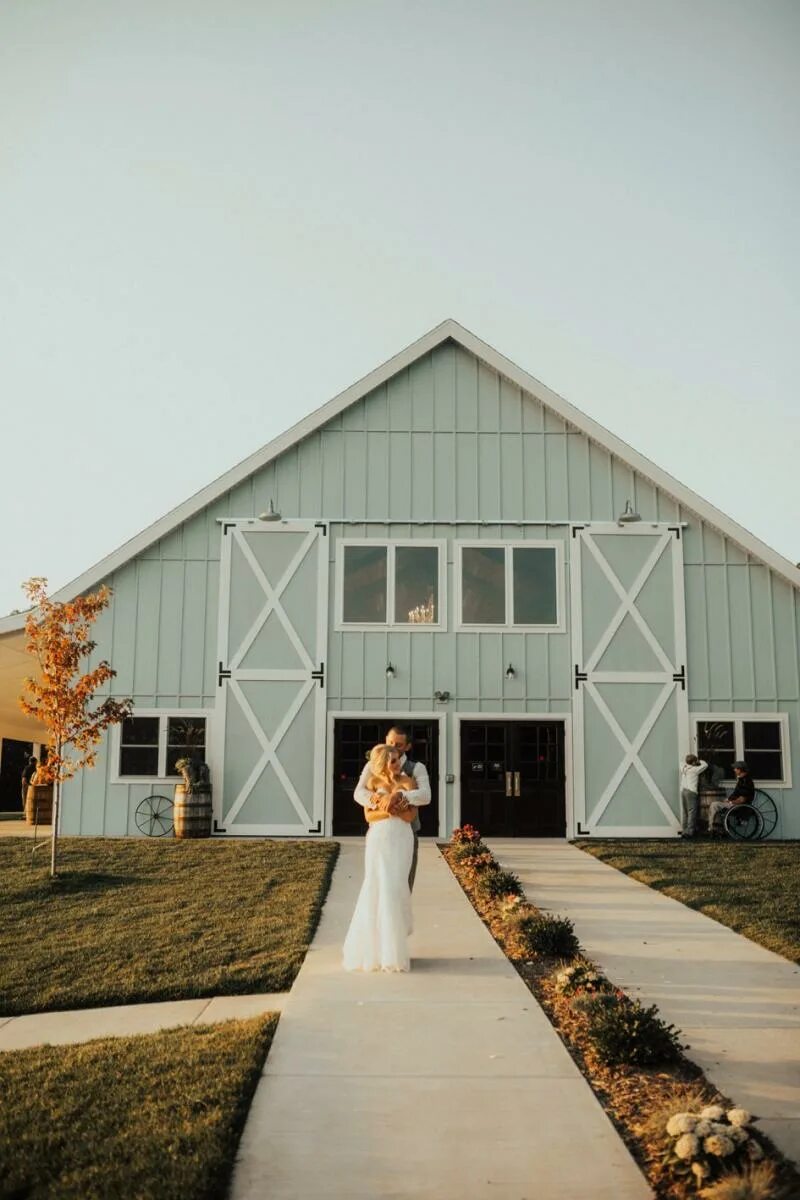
column 269, row 763
column 629, row 687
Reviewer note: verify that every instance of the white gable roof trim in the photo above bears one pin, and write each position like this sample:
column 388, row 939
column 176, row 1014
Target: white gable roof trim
column 448, row 330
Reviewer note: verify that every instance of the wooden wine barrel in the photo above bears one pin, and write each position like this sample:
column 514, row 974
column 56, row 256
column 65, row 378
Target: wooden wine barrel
column 39, row 804
column 192, row 812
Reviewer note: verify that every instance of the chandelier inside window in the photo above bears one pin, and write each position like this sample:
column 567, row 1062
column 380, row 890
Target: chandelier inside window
column 423, row 614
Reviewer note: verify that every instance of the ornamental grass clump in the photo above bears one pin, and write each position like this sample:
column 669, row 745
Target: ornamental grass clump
column 547, row 936
column 757, row 1181
column 703, row 1147
column 627, row 1033
column 590, row 1003
column 495, row 884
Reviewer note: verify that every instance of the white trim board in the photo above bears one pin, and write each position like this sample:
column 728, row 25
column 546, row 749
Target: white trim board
column 447, row 330
column 399, row 717
column 515, row 716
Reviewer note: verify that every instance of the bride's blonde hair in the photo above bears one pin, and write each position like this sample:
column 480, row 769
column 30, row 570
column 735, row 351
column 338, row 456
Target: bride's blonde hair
column 382, row 776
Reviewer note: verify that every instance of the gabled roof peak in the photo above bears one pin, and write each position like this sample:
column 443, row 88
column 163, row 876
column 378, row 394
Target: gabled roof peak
column 447, row 330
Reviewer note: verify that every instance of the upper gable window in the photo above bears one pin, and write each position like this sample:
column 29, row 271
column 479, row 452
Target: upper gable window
column 391, row 583
column 509, row 585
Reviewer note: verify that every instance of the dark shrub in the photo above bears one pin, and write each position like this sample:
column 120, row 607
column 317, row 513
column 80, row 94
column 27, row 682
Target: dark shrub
column 466, row 852
column 626, row 1032
column 551, row 937
column 500, row 883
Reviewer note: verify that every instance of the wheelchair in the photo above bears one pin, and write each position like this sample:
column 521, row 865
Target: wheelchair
column 750, row 822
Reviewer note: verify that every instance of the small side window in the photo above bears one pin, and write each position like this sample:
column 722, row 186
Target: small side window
column 186, row 738
column 762, row 749
column 139, row 746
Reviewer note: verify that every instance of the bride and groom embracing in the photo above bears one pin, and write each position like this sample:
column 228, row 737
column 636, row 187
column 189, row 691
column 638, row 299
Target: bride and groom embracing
column 391, row 789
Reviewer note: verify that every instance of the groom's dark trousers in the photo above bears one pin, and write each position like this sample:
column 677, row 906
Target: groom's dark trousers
column 415, row 855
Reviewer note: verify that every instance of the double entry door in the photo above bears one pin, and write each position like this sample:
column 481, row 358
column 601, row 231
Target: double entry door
column 513, row 778
column 352, row 741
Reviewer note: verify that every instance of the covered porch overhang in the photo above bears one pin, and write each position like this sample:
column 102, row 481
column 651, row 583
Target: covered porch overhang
column 15, row 664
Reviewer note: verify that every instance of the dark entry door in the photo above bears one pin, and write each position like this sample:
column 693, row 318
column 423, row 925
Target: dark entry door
column 513, row 779
column 352, row 742
column 13, row 757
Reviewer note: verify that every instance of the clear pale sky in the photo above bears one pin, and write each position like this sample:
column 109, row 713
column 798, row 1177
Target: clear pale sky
column 215, row 216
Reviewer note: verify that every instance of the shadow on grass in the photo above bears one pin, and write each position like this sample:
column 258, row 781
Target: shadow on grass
column 76, row 883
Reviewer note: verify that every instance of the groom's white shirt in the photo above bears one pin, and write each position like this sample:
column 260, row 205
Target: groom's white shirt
column 421, row 794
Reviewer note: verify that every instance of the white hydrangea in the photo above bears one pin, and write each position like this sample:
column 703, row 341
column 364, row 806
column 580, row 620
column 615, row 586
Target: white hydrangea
column 703, row 1128
column 754, row 1151
column 701, row 1170
column 681, row 1123
column 713, row 1112
column 718, row 1145
column 738, row 1134
column 739, row 1116
column 687, row 1146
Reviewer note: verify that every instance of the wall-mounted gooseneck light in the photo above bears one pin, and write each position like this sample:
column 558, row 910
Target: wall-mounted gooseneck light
column 391, row 671
column 510, row 672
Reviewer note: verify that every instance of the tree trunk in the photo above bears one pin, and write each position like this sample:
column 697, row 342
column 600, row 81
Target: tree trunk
column 56, row 817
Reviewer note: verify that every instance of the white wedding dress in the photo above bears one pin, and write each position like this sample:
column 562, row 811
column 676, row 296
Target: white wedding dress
column 378, row 933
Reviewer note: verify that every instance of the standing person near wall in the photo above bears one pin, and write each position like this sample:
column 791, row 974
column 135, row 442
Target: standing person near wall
column 691, row 769
column 28, row 772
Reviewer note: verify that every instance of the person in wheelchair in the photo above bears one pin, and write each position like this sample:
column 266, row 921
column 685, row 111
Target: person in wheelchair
column 743, row 793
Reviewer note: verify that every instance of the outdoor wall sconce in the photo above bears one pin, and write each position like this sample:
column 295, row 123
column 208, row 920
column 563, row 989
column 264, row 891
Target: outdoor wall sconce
column 391, row 671
column 271, row 514
column 441, row 696
column 510, row 672
column 628, row 515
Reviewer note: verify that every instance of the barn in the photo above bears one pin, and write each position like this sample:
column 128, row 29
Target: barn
column 448, row 545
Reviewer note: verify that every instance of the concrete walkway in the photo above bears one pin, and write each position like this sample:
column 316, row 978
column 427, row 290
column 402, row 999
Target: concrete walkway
column 123, row 1020
column 447, row 1082
column 737, row 1004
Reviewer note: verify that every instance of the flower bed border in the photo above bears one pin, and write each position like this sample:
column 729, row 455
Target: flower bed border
column 621, row 1090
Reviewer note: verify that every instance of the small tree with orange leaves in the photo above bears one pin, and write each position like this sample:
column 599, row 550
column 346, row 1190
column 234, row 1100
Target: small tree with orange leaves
column 58, row 636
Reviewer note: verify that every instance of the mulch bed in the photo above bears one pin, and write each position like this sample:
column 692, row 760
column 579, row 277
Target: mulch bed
column 629, row 1095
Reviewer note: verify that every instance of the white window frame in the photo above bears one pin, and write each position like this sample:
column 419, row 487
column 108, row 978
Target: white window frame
column 164, row 715
column 737, row 719
column 509, row 545
column 391, row 544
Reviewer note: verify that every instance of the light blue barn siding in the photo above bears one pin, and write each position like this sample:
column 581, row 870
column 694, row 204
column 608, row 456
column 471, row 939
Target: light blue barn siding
column 446, row 439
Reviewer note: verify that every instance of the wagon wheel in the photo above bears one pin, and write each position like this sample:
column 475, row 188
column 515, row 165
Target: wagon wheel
column 744, row 822
column 763, row 802
column 154, row 816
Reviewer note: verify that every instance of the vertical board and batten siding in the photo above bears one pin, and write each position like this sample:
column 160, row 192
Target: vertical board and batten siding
column 445, row 439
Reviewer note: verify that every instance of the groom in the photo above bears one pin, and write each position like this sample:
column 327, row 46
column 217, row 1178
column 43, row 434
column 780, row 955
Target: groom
column 398, row 737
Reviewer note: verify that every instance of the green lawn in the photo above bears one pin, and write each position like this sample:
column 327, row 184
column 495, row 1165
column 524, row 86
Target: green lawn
column 135, row 920
column 156, row 1117
column 754, row 889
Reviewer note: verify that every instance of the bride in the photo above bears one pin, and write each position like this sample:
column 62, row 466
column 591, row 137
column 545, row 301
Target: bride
column 376, row 939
